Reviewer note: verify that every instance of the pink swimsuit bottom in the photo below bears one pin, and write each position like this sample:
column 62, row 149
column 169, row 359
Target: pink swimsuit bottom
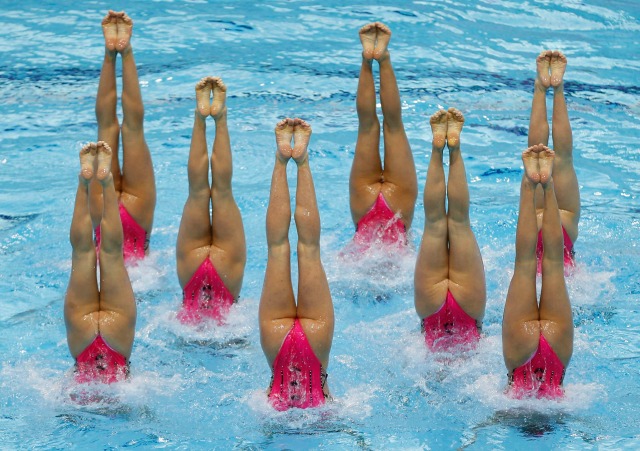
column 380, row 225
column 541, row 376
column 298, row 379
column 99, row 362
column 136, row 241
column 450, row 327
column 569, row 262
column 205, row 296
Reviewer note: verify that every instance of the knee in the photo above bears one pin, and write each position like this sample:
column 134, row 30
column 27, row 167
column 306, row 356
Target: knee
column 111, row 238
column 134, row 117
column 278, row 247
column 199, row 193
column 552, row 265
column 393, row 123
column 368, row 124
column 308, row 250
column 81, row 238
column 106, row 104
column 458, row 222
column 437, row 226
column 110, row 248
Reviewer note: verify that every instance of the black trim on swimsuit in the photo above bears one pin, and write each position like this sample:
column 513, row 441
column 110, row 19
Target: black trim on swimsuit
column 127, row 369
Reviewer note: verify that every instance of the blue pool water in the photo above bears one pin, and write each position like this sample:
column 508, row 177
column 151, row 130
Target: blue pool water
column 195, row 389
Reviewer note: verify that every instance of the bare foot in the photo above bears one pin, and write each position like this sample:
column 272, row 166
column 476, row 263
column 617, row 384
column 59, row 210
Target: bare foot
column 301, row 136
column 545, row 163
column 368, row 40
column 543, row 62
column 558, row 66
column 218, row 106
column 383, row 36
column 109, row 29
column 203, row 98
column 284, row 133
column 87, row 162
column 103, row 151
column 530, row 163
column 125, row 28
column 455, row 121
column 438, row 123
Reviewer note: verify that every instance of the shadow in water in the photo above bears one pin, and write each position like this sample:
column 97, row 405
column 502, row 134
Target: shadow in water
column 528, row 423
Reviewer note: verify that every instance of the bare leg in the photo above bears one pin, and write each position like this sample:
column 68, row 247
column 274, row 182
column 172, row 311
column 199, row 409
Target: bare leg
column 466, row 270
column 117, row 303
column 538, row 124
column 432, row 266
column 564, row 175
column 556, row 319
column 400, row 187
column 138, row 185
column 82, row 300
column 106, row 102
column 226, row 222
column 315, row 307
column 194, row 236
column 520, row 323
column 366, row 170
column 277, row 310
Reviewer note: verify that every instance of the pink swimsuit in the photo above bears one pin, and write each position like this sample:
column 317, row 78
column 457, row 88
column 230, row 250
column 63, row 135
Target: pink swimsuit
column 205, row 295
column 135, row 243
column 298, row 379
column 569, row 262
column 450, row 327
column 99, row 362
column 380, row 225
column 541, row 376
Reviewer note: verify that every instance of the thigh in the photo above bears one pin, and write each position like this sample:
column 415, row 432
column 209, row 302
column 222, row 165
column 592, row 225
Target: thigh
column 138, row 180
column 315, row 306
column 227, row 231
column 277, row 310
column 399, row 169
column 82, row 303
column 194, row 235
column 362, row 197
column 229, row 267
column 520, row 321
column 466, row 270
column 519, row 342
column 320, row 336
column 366, row 172
column 567, row 192
column 367, row 164
column 556, row 315
column 431, row 277
column 398, row 156
column 117, row 303
column 188, row 262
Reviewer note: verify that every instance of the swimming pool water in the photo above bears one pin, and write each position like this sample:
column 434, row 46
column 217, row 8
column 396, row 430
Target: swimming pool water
column 194, row 389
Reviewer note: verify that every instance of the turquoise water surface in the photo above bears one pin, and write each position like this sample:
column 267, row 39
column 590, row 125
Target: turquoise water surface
column 204, row 389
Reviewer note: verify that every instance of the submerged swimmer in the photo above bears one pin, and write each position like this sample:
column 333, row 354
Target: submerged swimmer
column 211, row 249
column 296, row 338
column 551, row 66
column 100, row 318
column 537, row 338
column 382, row 199
column 135, row 183
column 450, row 289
